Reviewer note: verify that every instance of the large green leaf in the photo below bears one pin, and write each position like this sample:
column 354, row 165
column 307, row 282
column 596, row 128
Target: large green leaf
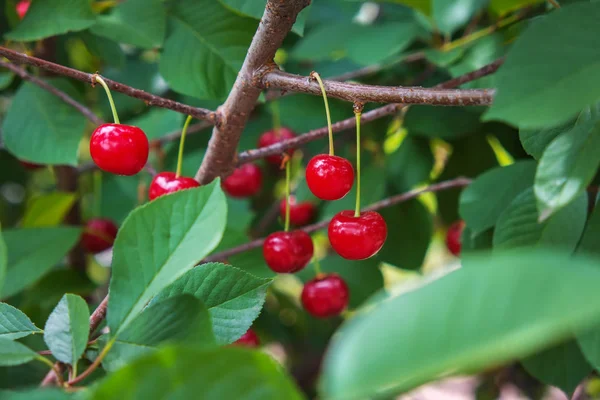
column 519, row 225
column 158, row 243
column 36, row 394
column 233, row 297
column 325, row 41
column 482, row 202
column 187, row 372
column 443, row 122
column 451, row 15
column 47, row 209
column 14, row 353
column 140, row 23
column 255, row 9
column 376, row 43
column 157, row 122
column 206, row 48
column 53, row 17
column 68, row 328
column 535, row 141
column 410, row 165
column 32, row 252
column 41, row 129
column 509, row 306
column 484, row 51
column 543, row 68
column 568, row 164
column 14, row 324
column 562, row 365
column 179, row 318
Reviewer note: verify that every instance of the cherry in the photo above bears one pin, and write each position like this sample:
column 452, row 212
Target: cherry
column 271, row 137
column 30, row 166
column 300, row 213
column 245, row 181
column 168, row 182
column 119, row 149
column 357, row 238
column 99, row 235
column 329, row 177
column 453, row 242
column 325, row 296
column 248, row 339
column 22, row 7
column 287, row 252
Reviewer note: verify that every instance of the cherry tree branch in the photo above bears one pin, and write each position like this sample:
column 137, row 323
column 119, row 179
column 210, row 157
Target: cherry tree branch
column 275, row 24
column 280, row 147
column 150, row 99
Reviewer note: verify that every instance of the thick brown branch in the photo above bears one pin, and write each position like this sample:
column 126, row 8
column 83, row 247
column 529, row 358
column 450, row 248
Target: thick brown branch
column 278, row 148
column 356, row 92
column 276, row 22
column 89, row 114
column 150, row 99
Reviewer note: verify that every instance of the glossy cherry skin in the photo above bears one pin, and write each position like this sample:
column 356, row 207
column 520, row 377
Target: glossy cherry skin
column 99, row 235
column 300, row 213
column 271, row 137
column 22, row 8
column 287, row 252
column 325, row 296
column 168, row 182
column 453, row 241
column 30, row 166
column 248, row 339
column 357, row 238
column 119, row 149
column 245, row 181
column 329, row 177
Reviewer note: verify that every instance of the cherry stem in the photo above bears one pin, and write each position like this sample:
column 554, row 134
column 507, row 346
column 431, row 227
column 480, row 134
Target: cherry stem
column 357, row 112
column 322, row 86
column 276, row 117
column 95, row 364
column 287, row 196
column 110, row 99
column 181, row 144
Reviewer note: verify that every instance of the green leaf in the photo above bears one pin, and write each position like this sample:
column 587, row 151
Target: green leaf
column 14, row 353
column 139, row 23
column 14, row 324
column 374, row 44
column 54, row 129
column 53, row 17
column 32, row 252
column 68, row 328
column 518, row 224
column 3, row 260
column 482, row 202
column 234, row 298
column 157, row 122
column 456, row 325
column 47, row 209
column 410, row 165
column 158, row 243
column 484, row 51
column 406, row 248
column 504, row 6
column 423, row 6
column 206, row 48
column 563, row 366
column 177, row 318
column 591, row 235
column 186, row 372
column 119, row 196
column 109, row 52
column 6, row 79
column 568, row 164
column 561, row 70
column 443, row 122
column 535, row 141
column 36, row 394
column 325, row 41
column 255, row 9
column 451, row 15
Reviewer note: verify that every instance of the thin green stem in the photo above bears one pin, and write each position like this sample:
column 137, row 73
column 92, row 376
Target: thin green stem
column 357, row 208
column 52, row 367
column 322, row 86
column 181, row 144
column 317, row 265
column 95, row 364
column 276, row 117
column 110, row 99
column 287, row 195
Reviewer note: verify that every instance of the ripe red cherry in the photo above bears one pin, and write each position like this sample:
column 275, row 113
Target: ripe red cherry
column 453, row 235
column 287, row 252
column 22, row 8
column 325, row 296
column 119, row 149
column 30, row 166
column 99, row 235
column 357, row 238
column 329, row 177
column 271, row 137
column 248, row 339
column 168, row 182
column 300, row 213
column 245, row 181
